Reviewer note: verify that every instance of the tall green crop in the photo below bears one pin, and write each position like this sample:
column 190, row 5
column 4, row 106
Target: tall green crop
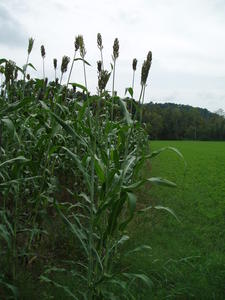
column 72, row 157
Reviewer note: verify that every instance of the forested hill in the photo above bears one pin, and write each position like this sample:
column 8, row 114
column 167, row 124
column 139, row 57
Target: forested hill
column 175, row 121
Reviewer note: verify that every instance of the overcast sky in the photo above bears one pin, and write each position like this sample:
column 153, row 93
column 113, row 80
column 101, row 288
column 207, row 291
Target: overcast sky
column 187, row 38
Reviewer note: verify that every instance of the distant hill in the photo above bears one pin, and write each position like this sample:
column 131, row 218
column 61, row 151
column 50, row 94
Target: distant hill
column 177, row 122
column 220, row 112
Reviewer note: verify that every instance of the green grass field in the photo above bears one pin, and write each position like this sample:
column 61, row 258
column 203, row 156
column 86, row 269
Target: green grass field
column 187, row 260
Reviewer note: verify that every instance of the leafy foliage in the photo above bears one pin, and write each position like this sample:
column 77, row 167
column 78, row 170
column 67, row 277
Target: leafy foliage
column 72, row 159
column 182, row 122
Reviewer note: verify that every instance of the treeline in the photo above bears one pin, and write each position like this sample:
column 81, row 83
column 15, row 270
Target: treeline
column 171, row 121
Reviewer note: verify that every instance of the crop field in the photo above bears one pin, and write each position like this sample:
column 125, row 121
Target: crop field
column 70, row 166
column 187, row 259
column 89, row 209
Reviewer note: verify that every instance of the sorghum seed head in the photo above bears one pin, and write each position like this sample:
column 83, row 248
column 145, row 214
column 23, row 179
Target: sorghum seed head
column 76, row 43
column 134, row 64
column 9, row 70
column 64, row 64
column 28, row 76
column 99, row 65
column 82, row 46
column 144, row 72
column 103, row 79
column 99, row 41
column 30, row 45
column 55, row 63
column 42, row 51
column 149, row 56
column 116, row 49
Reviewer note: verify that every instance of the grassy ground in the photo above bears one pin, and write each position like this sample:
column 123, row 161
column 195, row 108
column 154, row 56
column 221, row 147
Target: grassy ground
column 187, row 260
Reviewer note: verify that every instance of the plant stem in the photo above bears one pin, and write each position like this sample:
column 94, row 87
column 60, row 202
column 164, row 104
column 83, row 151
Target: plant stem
column 43, row 65
column 25, row 72
column 85, row 77
column 139, row 102
column 92, row 190
column 74, row 56
column 142, row 102
column 113, row 83
column 61, row 78
column 102, row 60
column 131, row 109
column 133, row 80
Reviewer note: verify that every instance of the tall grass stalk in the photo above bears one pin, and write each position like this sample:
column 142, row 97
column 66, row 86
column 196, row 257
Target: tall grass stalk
column 100, row 47
column 64, row 65
column 134, row 67
column 82, row 54
column 92, row 185
column 29, row 49
column 114, row 58
column 76, row 46
column 43, row 60
column 144, row 76
column 55, row 66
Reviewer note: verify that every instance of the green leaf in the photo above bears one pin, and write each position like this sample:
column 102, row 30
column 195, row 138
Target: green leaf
column 3, row 60
column 129, row 163
column 10, row 161
column 157, row 152
column 9, row 124
column 122, row 240
column 130, row 91
column 4, row 234
column 168, row 210
column 79, row 233
column 16, row 181
column 99, row 168
column 125, row 111
column 132, row 200
column 28, row 65
column 138, row 249
column 19, row 69
column 11, row 287
column 79, row 86
column 79, row 165
column 82, row 60
column 15, row 106
column 58, row 285
column 134, row 185
column 142, row 277
column 161, row 181
column 65, row 126
column 154, row 180
column 160, row 208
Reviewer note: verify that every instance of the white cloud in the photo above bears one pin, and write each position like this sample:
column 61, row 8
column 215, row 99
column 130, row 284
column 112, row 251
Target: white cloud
column 11, row 31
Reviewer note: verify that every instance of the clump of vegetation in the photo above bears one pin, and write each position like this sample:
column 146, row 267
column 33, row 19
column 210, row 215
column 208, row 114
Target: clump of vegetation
column 171, row 121
column 70, row 165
